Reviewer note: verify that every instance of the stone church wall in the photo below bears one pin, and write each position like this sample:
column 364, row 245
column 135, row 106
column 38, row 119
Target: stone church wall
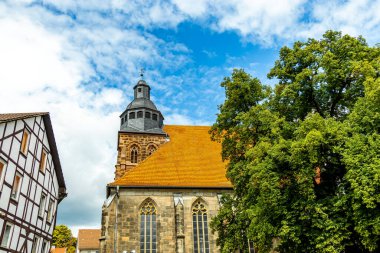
column 142, row 141
column 172, row 236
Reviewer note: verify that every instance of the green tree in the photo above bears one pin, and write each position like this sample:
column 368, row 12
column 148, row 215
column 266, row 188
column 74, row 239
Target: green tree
column 304, row 156
column 63, row 238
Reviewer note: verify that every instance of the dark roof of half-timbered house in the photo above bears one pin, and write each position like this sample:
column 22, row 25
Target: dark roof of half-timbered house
column 7, row 117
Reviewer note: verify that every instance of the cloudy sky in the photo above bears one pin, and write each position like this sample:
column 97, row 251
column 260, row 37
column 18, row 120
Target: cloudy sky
column 80, row 59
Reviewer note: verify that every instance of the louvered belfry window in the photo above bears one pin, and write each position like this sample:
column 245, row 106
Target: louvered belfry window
column 148, row 228
column 200, row 228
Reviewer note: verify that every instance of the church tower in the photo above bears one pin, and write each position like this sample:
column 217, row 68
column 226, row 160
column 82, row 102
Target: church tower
column 141, row 130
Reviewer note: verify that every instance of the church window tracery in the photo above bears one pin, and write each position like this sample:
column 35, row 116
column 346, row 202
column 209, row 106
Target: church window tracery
column 148, row 228
column 134, row 154
column 200, row 228
column 151, row 150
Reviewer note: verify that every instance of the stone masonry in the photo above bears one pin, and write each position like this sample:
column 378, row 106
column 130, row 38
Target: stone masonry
column 170, row 238
column 145, row 142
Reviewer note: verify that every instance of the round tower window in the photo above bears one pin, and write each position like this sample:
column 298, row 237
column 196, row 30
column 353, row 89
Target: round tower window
column 139, row 114
column 154, row 116
column 147, row 115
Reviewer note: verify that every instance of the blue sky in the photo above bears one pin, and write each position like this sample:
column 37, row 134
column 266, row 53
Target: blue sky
column 80, row 59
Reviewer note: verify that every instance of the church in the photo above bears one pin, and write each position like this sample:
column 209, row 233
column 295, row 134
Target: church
column 168, row 183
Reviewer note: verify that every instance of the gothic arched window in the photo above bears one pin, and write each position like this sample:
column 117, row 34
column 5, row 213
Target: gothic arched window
column 200, row 228
column 151, row 150
column 148, row 228
column 134, row 154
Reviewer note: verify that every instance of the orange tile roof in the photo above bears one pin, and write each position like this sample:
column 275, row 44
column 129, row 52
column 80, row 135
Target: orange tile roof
column 88, row 239
column 189, row 159
column 58, row 250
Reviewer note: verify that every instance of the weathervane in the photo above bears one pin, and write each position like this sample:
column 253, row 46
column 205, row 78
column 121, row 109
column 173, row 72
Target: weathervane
column 142, row 72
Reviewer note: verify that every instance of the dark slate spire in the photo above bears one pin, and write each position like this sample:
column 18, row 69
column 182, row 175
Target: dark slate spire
column 141, row 115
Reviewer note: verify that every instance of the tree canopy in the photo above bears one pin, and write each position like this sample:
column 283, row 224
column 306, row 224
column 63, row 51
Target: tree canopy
column 304, row 156
column 63, row 238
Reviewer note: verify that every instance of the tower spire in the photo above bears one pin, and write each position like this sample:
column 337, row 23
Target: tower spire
column 142, row 70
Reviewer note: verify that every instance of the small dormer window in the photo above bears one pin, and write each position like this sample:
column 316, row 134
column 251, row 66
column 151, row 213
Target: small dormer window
column 139, row 114
column 154, row 117
column 147, row 115
column 132, row 115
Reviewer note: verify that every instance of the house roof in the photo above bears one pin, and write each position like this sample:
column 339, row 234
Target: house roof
column 58, row 250
column 6, row 117
column 189, row 159
column 88, row 239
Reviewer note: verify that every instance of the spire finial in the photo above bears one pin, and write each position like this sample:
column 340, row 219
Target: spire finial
column 142, row 72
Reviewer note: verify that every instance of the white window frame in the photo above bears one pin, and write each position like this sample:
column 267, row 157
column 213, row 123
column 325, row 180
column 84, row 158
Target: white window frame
column 36, row 239
column 7, row 243
column 44, row 246
column 41, row 208
column 50, row 210
column 2, row 172
column 18, row 187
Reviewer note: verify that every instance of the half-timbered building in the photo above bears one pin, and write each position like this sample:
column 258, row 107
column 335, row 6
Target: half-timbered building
column 31, row 182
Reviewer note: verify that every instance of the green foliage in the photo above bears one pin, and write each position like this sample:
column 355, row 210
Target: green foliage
column 63, row 238
column 304, row 157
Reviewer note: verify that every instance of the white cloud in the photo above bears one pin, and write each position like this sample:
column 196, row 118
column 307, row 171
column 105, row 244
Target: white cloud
column 76, row 71
column 76, row 59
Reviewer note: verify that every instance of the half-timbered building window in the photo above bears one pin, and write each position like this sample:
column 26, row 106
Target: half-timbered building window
column 50, row 210
column 42, row 205
column 16, row 186
column 43, row 160
column 7, row 235
column 134, row 154
column 148, row 228
column 2, row 171
column 25, row 142
column 43, row 249
column 200, row 228
column 35, row 244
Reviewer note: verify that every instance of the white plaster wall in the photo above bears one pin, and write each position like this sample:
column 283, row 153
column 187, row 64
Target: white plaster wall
column 48, row 181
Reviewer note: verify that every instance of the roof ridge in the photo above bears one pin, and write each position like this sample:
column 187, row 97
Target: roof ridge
column 5, row 117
